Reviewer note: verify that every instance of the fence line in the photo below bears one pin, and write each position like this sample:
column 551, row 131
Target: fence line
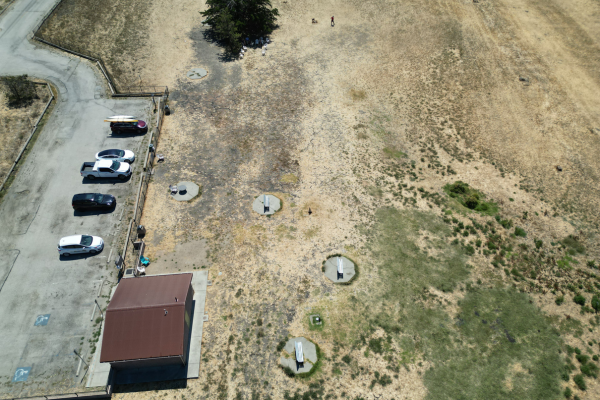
column 12, row 168
column 143, row 186
column 132, row 91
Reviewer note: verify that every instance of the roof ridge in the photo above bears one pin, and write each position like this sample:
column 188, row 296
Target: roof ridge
column 174, row 304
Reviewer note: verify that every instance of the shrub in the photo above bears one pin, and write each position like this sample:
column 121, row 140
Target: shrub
column 591, row 263
column 596, row 303
column 559, row 300
column 347, row 359
column 520, row 232
column 589, row 369
column 573, row 243
column 470, row 250
column 376, row 345
column 20, row 91
column 281, row 345
column 538, row 243
column 478, row 243
column 567, row 393
column 579, row 299
column 582, row 358
column 580, row 381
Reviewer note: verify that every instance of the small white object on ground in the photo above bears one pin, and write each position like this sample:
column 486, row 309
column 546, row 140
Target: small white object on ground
column 264, row 52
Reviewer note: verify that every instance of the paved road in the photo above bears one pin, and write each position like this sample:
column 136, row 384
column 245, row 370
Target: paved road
column 36, row 212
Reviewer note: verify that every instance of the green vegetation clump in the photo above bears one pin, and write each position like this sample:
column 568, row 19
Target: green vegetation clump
column 573, row 245
column 231, row 21
column 471, row 351
column 559, row 300
column 520, row 232
column 470, row 198
column 596, row 303
column 567, row 393
column 579, row 299
column 580, row 381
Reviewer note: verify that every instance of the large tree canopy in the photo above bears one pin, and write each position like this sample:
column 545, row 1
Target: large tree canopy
column 231, row 20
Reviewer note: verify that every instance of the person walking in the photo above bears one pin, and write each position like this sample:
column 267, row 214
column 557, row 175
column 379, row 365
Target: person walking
column 332, row 23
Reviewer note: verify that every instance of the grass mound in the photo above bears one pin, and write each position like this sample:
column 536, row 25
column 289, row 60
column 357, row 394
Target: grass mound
column 470, row 198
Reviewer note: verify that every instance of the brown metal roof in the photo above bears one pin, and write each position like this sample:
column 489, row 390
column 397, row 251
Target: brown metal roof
column 137, row 326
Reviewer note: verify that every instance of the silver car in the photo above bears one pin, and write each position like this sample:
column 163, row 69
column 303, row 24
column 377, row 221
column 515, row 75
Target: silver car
column 116, row 155
column 80, row 244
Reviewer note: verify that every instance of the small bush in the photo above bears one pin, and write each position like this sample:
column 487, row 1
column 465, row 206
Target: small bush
column 376, row 345
column 478, row 243
column 579, row 299
column 281, row 345
column 538, row 243
column 580, row 381
column 589, row 369
column 568, row 393
column 20, row 91
column 470, row 250
column 596, row 303
column 347, row 359
column 520, row 232
column 559, row 300
column 582, row 358
column 573, row 243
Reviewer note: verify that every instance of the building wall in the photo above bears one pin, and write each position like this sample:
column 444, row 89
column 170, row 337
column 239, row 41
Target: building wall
column 187, row 321
column 148, row 362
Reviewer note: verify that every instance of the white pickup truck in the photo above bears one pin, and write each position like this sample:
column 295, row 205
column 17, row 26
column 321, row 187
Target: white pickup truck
column 106, row 169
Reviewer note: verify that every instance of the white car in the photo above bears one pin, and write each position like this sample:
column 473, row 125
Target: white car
column 80, row 244
column 116, row 155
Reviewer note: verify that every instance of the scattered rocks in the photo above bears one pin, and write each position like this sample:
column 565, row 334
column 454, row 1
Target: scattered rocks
column 559, row 168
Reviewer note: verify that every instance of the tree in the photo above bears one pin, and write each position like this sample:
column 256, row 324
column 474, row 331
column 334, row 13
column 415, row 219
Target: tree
column 231, row 20
column 20, row 90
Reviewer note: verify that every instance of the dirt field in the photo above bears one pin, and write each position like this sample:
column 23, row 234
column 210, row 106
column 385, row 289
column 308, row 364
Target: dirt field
column 365, row 123
column 16, row 125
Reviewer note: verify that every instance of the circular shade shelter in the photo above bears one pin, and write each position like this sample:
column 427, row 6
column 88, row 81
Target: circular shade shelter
column 266, row 204
column 186, row 191
column 308, row 354
column 339, row 269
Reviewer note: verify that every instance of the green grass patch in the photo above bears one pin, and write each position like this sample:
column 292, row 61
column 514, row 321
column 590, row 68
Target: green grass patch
column 573, row 244
column 470, row 198
column 499, row 346
column 393, row 153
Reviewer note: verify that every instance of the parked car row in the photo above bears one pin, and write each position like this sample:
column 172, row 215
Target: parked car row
column 110, row 163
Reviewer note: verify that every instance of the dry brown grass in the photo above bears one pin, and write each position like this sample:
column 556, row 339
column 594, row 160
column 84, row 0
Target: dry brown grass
column 396, row 94
column 16, row 125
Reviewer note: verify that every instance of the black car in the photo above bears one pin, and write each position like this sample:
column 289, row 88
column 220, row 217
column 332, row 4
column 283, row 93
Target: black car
column 129, row 127
column 93, row 201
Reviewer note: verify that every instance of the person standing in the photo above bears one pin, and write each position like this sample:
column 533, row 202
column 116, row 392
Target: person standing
column 332, row 23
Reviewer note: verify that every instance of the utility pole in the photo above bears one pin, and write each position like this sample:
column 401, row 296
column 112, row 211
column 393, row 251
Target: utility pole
column 100, row 308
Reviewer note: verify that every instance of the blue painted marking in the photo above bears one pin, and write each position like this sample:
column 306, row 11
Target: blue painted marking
column 42, row 320
column 21, row 374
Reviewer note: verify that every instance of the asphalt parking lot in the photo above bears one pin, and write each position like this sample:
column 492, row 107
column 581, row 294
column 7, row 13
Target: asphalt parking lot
column 36, row 213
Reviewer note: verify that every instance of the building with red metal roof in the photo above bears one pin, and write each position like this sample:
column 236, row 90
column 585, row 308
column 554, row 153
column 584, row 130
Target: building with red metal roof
column 148, row 322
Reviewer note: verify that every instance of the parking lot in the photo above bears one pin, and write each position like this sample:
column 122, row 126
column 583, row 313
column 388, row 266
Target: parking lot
column 36, row 213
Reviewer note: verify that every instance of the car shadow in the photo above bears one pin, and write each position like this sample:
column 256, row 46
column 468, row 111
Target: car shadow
column 80, row 213
column 126, row 135
column 77, row 257
column 105, row 181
